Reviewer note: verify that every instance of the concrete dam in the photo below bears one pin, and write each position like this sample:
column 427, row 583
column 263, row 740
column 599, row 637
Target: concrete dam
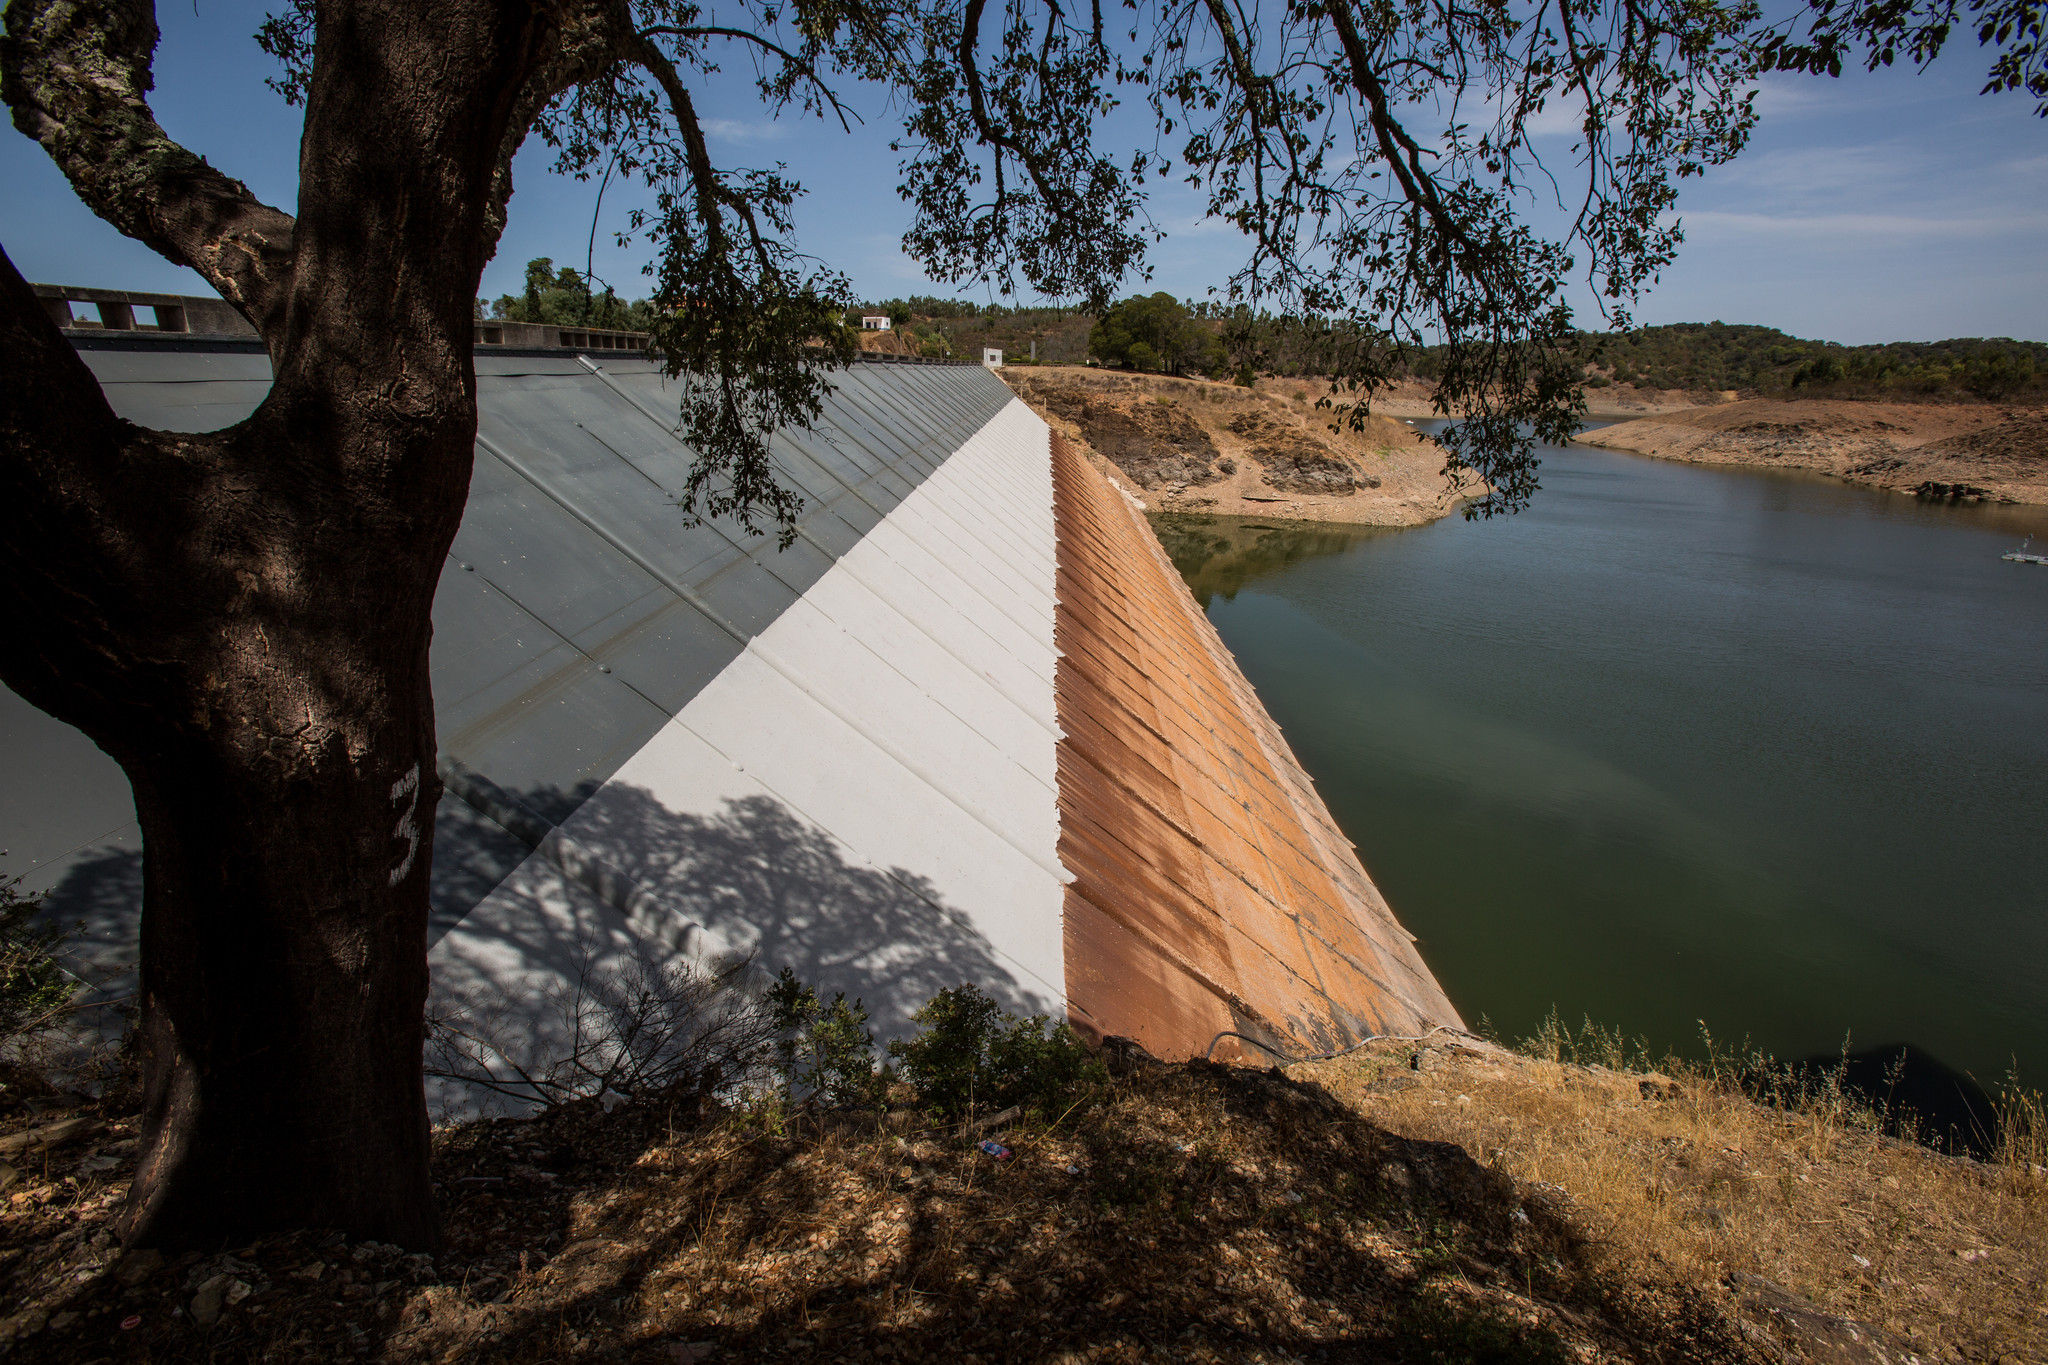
column 969, row 727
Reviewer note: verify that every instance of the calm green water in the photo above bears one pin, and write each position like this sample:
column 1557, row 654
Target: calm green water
column 1681, row 744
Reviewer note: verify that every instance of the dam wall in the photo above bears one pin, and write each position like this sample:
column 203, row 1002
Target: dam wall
column 1212, row 892
column 969, row 728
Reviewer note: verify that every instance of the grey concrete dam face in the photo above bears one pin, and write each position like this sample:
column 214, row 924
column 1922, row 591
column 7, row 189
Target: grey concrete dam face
column 846, row 757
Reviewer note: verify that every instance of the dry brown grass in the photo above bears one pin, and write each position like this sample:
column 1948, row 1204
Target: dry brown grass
column 1682, row 1179
column 1193, row 1213
column 1483, row 1206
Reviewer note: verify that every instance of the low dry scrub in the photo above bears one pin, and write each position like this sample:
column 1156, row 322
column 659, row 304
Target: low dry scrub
column 1684, row 1182
column 1457, row 1203
column 1188, row 1213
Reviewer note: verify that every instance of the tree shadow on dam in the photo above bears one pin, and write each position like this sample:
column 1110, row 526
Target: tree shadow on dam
column 785, row 890
column 751, row 878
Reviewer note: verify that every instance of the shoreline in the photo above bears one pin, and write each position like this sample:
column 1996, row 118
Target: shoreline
column 1954, row 453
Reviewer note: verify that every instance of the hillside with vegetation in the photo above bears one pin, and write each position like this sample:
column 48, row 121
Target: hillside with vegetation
column 1160, row 334
column 1765, row 362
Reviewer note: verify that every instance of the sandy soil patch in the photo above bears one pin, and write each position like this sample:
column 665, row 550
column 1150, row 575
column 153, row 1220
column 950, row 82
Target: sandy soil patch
column 1193, row 445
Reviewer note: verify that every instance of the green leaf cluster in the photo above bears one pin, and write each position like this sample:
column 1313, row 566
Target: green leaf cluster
column 34, row 987
column 971, row 1054
column 565, row 298
column 824, row 1050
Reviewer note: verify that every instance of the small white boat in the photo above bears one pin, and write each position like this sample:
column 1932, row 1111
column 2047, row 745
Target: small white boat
column 2020, row 556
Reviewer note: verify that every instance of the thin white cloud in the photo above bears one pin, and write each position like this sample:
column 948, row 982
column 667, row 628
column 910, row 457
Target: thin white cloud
column 1784, row 97
column 738, row 130
column 1707, row 223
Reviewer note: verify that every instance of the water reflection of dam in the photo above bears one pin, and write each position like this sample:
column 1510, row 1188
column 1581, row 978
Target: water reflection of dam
column 969, row 727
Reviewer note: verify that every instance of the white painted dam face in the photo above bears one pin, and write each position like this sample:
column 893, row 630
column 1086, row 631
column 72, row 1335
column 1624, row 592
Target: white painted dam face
column 866, row 794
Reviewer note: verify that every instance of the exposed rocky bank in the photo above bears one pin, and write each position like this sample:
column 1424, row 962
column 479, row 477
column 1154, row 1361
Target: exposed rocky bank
column 1193, row 445
column 1952, row 452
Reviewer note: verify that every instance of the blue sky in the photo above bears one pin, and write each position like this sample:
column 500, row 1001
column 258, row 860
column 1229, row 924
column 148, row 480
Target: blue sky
column 1895, row 206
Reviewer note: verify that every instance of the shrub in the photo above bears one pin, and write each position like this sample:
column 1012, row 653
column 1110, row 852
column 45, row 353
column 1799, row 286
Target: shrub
column 825, row 1051
column 969, row 1053
column 649, row 1025
column 35, row 990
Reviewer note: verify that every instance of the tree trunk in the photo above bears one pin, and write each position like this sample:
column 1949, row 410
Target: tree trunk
column 241, row 618
column 249, row 639
column 284, row 968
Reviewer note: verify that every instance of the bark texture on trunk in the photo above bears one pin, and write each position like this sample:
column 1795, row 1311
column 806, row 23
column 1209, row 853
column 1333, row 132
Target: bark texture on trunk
column 241, row 618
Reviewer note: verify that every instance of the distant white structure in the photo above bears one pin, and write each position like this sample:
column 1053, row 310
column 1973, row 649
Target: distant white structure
column 992, row 357
column 874, row 324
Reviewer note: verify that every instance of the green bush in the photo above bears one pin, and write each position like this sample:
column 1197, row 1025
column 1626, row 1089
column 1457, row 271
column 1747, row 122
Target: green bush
column 969, row 1053
column 34, row 988
column 824, row 1051
column 1156, row 333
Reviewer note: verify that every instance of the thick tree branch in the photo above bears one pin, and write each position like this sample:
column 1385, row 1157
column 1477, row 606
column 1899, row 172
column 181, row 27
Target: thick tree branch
column 583, row 41
column 711, row 193
column 984, row 127
column 807, row 69
column 1403, row 155
column 76, row 77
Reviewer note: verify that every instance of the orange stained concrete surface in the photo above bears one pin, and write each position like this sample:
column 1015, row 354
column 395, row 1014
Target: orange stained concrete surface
column 1212, row 891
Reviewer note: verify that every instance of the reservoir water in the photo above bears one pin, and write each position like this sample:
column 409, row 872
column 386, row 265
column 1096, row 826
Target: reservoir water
column 1681, row 744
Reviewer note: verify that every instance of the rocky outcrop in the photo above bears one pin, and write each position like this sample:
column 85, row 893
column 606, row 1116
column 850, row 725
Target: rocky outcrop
column 1157, row 444
column 1296, row 462
column 1197, row 446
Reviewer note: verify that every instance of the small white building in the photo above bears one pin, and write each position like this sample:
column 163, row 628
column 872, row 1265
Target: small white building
column 992, row 356
column 874, row 324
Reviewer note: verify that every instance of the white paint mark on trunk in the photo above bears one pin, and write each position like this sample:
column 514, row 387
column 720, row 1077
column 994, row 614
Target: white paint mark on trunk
column 408, row 827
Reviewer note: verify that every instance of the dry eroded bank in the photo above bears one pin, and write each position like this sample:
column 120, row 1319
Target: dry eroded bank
column 1191, row 445
column 1986, row 452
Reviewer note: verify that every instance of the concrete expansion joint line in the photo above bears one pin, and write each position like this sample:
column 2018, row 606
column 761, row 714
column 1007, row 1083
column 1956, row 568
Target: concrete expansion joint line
column 668, row 429
column 1025, row 709
column 680, row 589
column 579, row 651
column 908, row 764
column 797, row 679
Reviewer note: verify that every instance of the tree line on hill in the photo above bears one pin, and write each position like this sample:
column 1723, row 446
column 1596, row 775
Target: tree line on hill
column 1767, row 362
column 1160, row 334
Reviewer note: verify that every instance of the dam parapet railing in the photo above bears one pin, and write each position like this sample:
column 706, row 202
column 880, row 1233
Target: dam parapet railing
column 99, row 319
